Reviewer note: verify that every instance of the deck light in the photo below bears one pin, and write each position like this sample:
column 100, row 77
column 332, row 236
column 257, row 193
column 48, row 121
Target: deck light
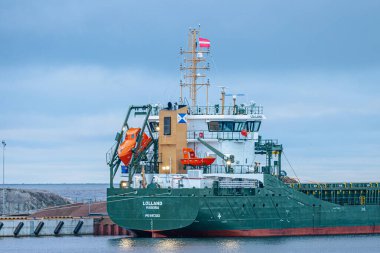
column 123, row 184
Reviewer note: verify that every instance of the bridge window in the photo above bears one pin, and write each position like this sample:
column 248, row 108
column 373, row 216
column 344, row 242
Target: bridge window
column 215, row 126
column 253, row 126
column 229, row 126
column 239, row 126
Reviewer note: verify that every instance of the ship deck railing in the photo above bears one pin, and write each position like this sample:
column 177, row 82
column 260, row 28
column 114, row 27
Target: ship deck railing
column 252, row 109
column 348, row 197
column 239, row 184
column 346, row 185
column 238, row 169
column 205, row 134
column 110, row 153
column 343, row 193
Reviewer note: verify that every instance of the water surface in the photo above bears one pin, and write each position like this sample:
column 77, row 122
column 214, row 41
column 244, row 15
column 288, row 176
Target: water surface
column 93, row 244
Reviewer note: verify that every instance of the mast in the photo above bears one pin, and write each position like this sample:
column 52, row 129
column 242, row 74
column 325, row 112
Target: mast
column 194, row 67
column 222, row 98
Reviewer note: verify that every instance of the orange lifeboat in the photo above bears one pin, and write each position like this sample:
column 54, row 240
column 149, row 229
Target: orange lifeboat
column 192, row 160
column 125, row 149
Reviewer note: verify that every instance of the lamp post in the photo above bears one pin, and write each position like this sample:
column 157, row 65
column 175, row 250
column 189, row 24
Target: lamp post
column 4, row 144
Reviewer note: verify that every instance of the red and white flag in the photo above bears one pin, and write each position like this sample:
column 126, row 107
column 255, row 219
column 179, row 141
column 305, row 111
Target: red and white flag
column 204, row 42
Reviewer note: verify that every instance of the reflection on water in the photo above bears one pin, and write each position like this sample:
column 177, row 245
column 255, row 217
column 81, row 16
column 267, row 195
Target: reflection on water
column 347, row 244
column 159, row 245
column 168, row 245
column 102, row 244
column 229, row 245
column 127, row 243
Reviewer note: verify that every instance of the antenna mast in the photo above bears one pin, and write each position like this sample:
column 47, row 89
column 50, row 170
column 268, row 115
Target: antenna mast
column 193, row 67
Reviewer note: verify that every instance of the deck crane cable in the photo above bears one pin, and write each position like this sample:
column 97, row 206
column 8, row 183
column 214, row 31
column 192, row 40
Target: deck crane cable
column 214, row 67
column 286, row 158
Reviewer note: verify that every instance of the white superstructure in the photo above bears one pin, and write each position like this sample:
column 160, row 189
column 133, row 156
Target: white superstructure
column 226, row 133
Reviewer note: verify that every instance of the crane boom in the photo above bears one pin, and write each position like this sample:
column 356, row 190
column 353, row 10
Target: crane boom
column 228, row 158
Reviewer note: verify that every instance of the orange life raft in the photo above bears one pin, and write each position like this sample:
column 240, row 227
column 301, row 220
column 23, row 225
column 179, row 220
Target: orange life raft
column 192, row 160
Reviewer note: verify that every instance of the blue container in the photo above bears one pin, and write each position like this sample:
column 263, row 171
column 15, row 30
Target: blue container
column 124, row 169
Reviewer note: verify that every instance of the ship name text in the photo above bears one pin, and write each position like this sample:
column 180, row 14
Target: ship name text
column 152, row 204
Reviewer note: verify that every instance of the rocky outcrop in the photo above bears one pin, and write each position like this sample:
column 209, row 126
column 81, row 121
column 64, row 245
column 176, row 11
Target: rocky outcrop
column 22, row 201
column 289, row 180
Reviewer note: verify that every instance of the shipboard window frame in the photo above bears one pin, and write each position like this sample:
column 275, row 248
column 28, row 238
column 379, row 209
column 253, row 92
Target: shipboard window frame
column 167, row 125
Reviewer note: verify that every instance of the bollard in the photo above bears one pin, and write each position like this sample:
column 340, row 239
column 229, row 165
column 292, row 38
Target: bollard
column 38, row 228
column 78, row 227
column 100, row 229
column 58, row 228
column 18, row 228
column 108, row 229
column 96, row 229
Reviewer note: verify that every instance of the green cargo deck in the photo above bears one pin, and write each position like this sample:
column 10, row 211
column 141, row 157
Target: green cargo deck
column 342, row 193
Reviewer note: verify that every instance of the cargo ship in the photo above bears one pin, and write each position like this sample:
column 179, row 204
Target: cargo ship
column 192, row 171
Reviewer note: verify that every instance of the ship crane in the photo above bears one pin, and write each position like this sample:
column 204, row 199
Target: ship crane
column 228, row 158
column 270, row 148
column 132, row 150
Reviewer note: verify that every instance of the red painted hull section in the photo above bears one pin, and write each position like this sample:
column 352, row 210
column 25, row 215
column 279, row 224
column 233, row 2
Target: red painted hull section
column 271, row 232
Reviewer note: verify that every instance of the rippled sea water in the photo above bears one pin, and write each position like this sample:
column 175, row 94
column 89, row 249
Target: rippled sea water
column 92, row 244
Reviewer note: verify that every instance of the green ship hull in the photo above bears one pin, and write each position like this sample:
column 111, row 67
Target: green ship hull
column 275, row 209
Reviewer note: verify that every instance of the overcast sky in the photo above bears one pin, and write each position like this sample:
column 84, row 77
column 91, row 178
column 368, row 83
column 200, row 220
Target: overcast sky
column 70, row 69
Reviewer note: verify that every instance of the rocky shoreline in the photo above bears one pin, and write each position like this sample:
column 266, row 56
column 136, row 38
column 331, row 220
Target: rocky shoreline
column 24, row 201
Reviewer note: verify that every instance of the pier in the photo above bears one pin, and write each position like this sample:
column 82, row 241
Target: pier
column 76, row 219
column 28, row 226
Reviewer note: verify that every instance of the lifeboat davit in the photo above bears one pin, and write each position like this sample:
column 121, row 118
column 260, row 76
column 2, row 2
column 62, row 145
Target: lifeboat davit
column 192, row 160
column 125, row 149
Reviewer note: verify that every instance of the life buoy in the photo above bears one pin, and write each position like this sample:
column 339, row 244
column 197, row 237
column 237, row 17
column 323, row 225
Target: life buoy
column 201, row 135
